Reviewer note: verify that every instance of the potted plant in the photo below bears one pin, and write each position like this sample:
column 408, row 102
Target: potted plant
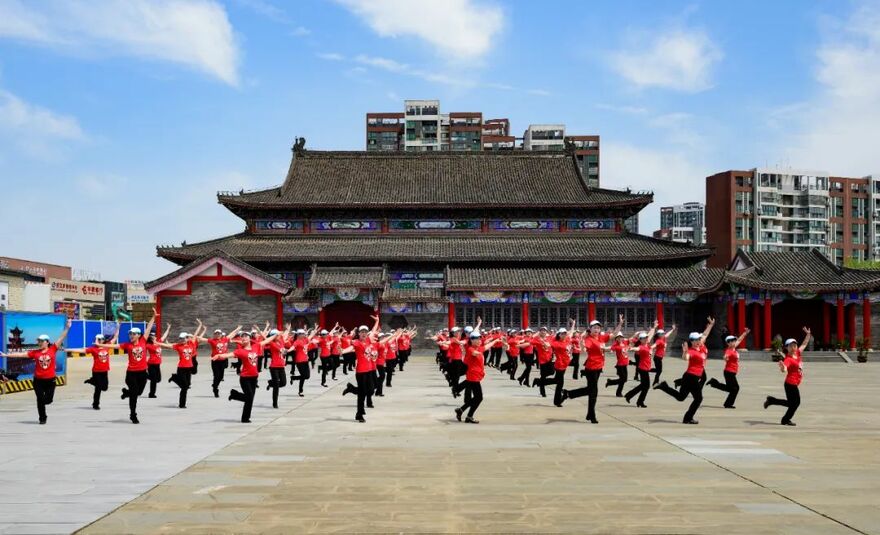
column 842, row 344
column 862, row 346
column 776, row 349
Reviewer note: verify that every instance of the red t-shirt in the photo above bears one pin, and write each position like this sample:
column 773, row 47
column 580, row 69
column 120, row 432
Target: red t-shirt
column 512, row 346
column 346, row 341
column 248, row 358
column 382, row 349
column 185, row 353
column 575, row 345
column 544, row 353
column 454, row 351
column 336, row 346
column 44, row 362
column 475, row 362
column 324, row 344
column 391, row 353
column 276, row 352
column 101, row 358
column 363, row 352
column 137, row 354
column 404, row 342
column 794, row 368
column 696, row 362
column 218, row 345
column 732, row 356
column 660, row 347
column 595, row 355
column 644, row 353
column 562, row 350
column 300, row 346
column 155, row 354
column 619, row 349
column 529, row 348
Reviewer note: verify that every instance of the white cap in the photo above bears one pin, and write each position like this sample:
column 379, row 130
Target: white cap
column 468, row 329
column 273, row 332
column 543, row 329
column 43, row 338
column 300, row 331
column 642, row 334
column 528, row 330
column 183, row 335
column 456, row 329
column 222, row 333
column 728, row 339
column 135, row 330
column 790, row 341
column 324, row 332
column 660, row 331
column 218, row 331
column 363, row 328
column 474, row 335
column 695, row 336
column 618, row 335
column 595, row 322
column 561, row 330
column 99, row 336
column 244, row 333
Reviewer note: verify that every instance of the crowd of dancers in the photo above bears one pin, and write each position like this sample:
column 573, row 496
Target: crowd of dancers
column 373, row 357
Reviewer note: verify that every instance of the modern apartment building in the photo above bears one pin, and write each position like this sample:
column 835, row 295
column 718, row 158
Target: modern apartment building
column 496, row 135
column 465, row 131
column 423, row 121
column 788, row 210
column 385, row 131
column 544, row 137
column 683, row 223
column 586, row 150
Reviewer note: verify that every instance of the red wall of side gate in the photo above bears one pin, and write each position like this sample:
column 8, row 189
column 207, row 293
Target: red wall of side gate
column 790, row 316
column 349, row 314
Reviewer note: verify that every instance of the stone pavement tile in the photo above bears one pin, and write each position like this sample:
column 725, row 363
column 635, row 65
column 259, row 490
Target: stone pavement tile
column 39, row 528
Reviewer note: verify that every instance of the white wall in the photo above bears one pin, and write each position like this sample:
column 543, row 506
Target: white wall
column 36, row 297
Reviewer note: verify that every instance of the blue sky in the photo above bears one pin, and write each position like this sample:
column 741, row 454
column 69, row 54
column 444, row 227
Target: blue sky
column 120, row 119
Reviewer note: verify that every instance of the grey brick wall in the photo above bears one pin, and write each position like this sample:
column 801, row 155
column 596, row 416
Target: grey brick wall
column 220, row 305
column 425, row 323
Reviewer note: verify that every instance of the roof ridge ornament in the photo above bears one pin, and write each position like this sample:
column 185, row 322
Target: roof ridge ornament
column 299, row 145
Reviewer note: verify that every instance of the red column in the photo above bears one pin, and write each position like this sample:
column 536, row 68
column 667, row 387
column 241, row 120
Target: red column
column 279, row 312
column 450, row 323
column 159, row 315
column 826, row 322
column 851, row 324
column 756, row 326
column 321, row 318
column 525, row 314
column 866, row 321
column 840, row 330
column 767, row 323
column 741, row 318
column 659, row 314
column 591, row 311
column 731, row 326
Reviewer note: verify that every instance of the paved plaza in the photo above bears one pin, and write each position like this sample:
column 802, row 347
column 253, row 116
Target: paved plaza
column 528, row 467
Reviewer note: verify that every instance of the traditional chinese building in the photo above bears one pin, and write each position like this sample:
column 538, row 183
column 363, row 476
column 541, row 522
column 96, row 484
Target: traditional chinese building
column 434, row 239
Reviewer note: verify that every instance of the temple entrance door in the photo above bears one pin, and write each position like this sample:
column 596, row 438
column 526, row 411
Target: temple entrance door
column 349, row 314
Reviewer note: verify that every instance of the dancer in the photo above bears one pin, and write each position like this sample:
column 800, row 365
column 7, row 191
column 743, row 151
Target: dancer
column 561, row 349
column 186, row 350
column 793, row 368
column 643, row 349
column 576, row 344
column 694, row 352
column 528, row 356
column 404, row 347
column 594, row 344
column 495, row 351
column 348, row 357
column 325, row 346
column 619, row 347
column 44, row 368
column 544, row 352
column 364, row 353
column 154, row 359
column 476, row 371
column 136, row 374
column 456, row 367
column 219, row 344
column 248, row 353
column 731, row 367
column 300, row 346
column 100, row 366
column 277, row 363
column 336, row 351
column 513, row 351
column 660, row 339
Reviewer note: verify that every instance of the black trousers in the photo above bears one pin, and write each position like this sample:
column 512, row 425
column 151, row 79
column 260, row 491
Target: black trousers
column 348, row 360
column 246, row 396
column 510, row 366
column 622, row 376
column 364, row 386
column 44, row 389
column 334, row 365
column 792, row 401
column 690, row 385
column 277, row 380
column 154, row 374
column 183, row 379
column 528, row 360
column 380, row 379
column 546, row 371
column 313, row 356
column 218, row 368
column 304, row 374
column 642, row 388
column 658, row 369
column 730, row 385
column 389, row 370
column 495, row 353
column 473, row 396
column 101, row 384
column 591, row 390
column 456, row 370
column 195, row 368
column 135, row 382
column 326, row 367
column 576, row 364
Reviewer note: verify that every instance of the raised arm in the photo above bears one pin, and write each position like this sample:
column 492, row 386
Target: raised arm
column 742, row 337
column 652, row 331
column 807, row 336
column 63, row 334
column 375, row 328
column 268, row 341
column 668, row 335
column 149, row 328
column 710, row 323
column 684, row 350
column 234, row 332
column 619, row 325
column 479, row 322
column 165, row 334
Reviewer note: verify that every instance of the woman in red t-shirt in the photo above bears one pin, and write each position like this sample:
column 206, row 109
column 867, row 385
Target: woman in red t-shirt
column 527, row 355
column 643, row 350
column 100, row 366
column 731, row 367
column 693, row 351
column 248, row 353
column 560, row 347
column 219, row 343
column 475, row 361
column 365, row 353
column 594, row 345
column 544, row 359
column 44, row 368
column 512, row 354
column 300, row 345
column 793, row 368
column 661, row 337
column 154, row 359
column 136, row 373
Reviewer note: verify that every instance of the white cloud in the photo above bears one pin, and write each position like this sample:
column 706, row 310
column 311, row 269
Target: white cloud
column 33, row 129
column 673, row 176
column 457, row 29
column 675, row 59
column 195, row 33
column 300, row 31
column 839, row 128
column 101, row 186
column 539, row 92
column 331, row 56
column 382, row 63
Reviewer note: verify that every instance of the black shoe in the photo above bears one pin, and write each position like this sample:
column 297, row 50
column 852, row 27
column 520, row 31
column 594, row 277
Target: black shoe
column 380, row 395
column 245, row 421
column 789, row 423
column 458, row 414
column 712, row 382
column 370, row 406
column 660, row 385
column 766, row 403
column 564, row 394
column 230, row 396
column 134, row 419
column 470, row 420
column 360, row 419
column 618, row 395
column 583, row 373
column 628, row 399
column 152, row 396
column 171, row 379
column 96, row 406
column 348, row 390
column 301, row 395
column 274, row 405
column 729, row 407
column 324, row 385
column 641, row 405
column 593, row 420
column 124, row 393
column 88, row 381
column 181, row 406
column 691, row 422
column 42, row 421
column 216, row 393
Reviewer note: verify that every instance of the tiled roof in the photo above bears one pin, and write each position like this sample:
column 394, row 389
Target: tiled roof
column 219, row 253
column 570, row 246
column 300, row 294
column 414, row 295
column 347, row 277
column 636, row 278
column 459, row 180
column 797, row 270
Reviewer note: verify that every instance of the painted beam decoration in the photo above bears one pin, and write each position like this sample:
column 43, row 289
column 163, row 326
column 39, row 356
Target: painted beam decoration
column 347, row 294
column 411, row 281
column 346, row 226
column 278, row 226
column 591, row 224
column 413, row 308
column 487, row 297
column 538, row 224
column 435, row 225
